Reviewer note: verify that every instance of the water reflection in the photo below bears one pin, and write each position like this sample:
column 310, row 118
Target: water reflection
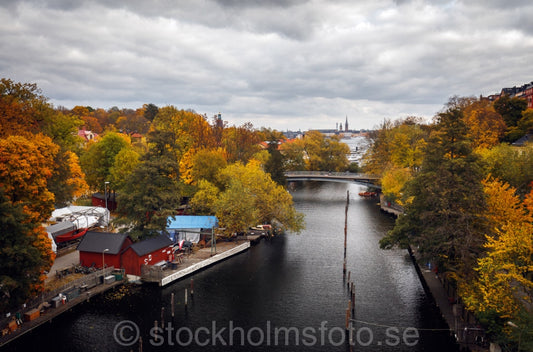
column 290, row 287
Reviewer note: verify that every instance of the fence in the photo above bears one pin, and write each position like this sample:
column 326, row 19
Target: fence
column 90, row 280
column 151, row 273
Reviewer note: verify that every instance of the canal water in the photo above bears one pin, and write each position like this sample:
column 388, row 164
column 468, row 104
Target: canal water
column 285, row 294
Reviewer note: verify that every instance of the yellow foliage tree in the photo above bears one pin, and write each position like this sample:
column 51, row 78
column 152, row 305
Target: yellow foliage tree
column 486, row 126
column 502, row 286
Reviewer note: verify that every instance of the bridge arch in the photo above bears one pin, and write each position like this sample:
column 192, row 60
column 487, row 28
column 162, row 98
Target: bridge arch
column 324, row 176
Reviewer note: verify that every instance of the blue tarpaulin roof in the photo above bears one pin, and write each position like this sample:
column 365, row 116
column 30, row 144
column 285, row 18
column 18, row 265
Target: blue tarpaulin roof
column 192, row 222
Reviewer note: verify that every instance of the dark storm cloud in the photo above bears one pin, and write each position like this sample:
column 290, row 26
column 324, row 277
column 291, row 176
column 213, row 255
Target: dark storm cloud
column 277, row 63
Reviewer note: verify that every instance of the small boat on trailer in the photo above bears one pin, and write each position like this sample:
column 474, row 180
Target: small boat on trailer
column 65, row 231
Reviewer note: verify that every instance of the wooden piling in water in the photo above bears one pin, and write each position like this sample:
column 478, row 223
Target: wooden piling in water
column 186, row 297
column 192, row 287
column 345, row 232
column 162, row 316
column 172, row 304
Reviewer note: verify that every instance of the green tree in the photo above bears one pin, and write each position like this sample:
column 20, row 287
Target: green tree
column 125, row 163
column 99, row 158
column 150, row 111
column 511, row 110
column 513, row 165
column 275, row 165
column 445, row 219
column 21, row 261
column 152, row 192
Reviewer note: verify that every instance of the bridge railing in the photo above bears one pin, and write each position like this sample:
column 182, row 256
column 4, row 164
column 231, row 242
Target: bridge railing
column 330, row 174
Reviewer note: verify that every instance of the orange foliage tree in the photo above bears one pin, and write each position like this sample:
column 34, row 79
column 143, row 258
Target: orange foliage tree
column 25, row 167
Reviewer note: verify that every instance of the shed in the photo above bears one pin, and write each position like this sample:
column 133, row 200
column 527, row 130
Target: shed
column 147, row 252
column 98, row 248
column 189, row 227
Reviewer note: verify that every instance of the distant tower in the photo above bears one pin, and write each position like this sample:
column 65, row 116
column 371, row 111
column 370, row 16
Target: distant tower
column 219, row 123
column 340, row 127
column 337, row 126
column 346, row 124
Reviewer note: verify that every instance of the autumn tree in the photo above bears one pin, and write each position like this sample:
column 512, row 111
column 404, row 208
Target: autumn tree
column 133, row 122
column 21, row 108
column 325, row 153
column 191, row 129
column 207, row 164
column 260, row 199
column 240, row 143
column 502, row 289
column 486, row 126
column 63, row 128
column 25, row 168
column 68, row 180
column 513, row 165
column 445, row 219
column 152, row 191
column 294, row 155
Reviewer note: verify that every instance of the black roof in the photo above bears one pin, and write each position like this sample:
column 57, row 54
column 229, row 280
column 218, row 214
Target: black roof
column 97, row 242
column 150, row 245
column 528, row 138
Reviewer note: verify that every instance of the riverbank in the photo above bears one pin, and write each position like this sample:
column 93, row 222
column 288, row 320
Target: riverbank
column 44, row 308
column 49, row 306
column 468, row 335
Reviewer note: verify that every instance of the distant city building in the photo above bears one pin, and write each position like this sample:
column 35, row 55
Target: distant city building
column 525, row 92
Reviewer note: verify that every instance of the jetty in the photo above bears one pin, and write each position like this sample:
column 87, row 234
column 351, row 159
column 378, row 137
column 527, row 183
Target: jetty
column 195, row 262
column 51, row 304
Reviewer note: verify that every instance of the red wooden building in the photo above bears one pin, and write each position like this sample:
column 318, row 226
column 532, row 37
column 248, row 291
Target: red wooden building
column 147, row 252
column 98, row 200
column 98, row 248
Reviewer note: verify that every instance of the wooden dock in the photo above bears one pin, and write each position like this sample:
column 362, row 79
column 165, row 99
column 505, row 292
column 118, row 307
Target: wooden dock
column 52, row 312
column 192, row 265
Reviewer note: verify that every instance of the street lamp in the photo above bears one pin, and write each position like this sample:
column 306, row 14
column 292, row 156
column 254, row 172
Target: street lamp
column 106, row 209
column 103, row 252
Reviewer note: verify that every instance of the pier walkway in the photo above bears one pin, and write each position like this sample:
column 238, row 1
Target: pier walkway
column 195, row 262
column 45, row 311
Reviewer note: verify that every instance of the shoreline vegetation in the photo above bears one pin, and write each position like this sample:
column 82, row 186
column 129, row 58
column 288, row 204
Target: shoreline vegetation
column 467, row 196
column 156, row 162
column 465, row 188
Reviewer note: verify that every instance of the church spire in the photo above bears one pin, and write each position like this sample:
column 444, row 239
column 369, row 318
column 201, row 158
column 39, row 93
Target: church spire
column 346, row 124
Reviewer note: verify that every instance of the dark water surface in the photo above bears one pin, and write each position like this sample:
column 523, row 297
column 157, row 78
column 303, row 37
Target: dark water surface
column 286, row 294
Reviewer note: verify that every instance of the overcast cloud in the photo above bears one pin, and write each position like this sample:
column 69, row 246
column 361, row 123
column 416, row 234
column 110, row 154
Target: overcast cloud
column 292, row 64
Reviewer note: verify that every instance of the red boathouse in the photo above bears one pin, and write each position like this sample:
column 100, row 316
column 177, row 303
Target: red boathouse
column 147, row 252
column 98, row 248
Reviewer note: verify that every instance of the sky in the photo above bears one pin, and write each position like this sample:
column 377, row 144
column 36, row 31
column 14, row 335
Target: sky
column 285, row 65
